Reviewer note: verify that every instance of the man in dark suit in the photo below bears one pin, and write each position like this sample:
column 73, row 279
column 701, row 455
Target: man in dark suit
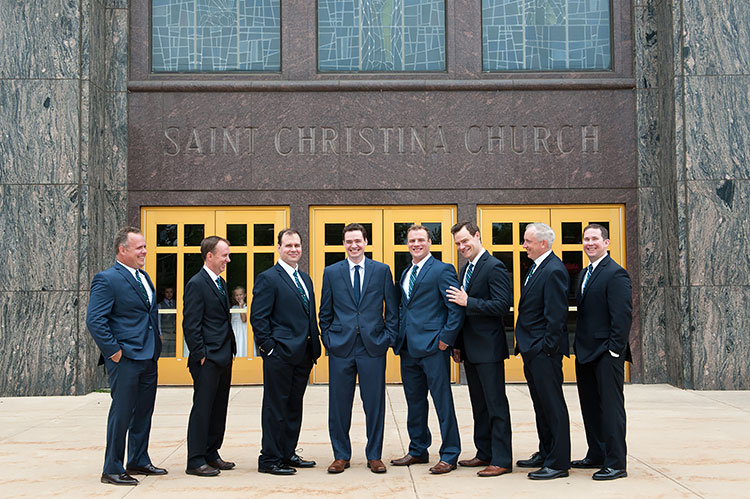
column 605, row 308
column 208, row 332
column 542, row 340
column 358, row 322
column 282, row 315
column 123, row 319
column 481, row 345
column 428, row 327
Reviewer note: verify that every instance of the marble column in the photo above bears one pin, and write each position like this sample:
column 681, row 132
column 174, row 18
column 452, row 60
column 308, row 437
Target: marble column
column 63, row 192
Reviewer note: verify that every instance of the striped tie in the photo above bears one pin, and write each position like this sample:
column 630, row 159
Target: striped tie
column 305, row 300
column 221, row 288
column 589, row 270
column 140, row 285
column 412, row 278
column 528, row 276
column 467, row 277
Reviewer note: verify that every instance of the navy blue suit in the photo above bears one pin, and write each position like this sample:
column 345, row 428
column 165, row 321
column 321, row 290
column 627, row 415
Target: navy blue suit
column 208, row 332
column 484, row 349
column 120, row 317
column 542, row 340
column 287, row 337
column 427, row 317
column 357, row 334
column 605, row 314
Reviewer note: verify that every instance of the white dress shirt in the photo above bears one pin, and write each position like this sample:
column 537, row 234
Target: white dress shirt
column 142, row 279
column 405, row 284
column 361, row 272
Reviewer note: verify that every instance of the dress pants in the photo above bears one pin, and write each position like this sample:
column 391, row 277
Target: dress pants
column 284, row 386
column 544, row 377
column 489, row 406
column 343, row 377
column 419, row 375
column 208, row 417
column 132, row 386
column 603, row 408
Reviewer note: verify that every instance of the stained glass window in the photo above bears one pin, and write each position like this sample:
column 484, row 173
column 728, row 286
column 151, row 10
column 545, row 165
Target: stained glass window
column 215, row 35
column 545, row 35
column 381, row 35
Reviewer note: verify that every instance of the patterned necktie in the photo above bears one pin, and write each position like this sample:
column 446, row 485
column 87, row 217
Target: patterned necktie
column 412, row 278
column 467, row 276
column 531, row 271
column 221, row 288
column 301, row 290
column 589, row 270
column 140, row 285
column 357, row 285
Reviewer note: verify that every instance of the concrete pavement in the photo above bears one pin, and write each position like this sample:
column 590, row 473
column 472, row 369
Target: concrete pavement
column 681, row 444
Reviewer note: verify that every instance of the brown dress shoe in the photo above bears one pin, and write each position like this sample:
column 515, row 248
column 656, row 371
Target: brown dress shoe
column 408, row 460
column 442, row 467
column 474, row 462
column 338, row 466
column 493, row 471
column 376, row 466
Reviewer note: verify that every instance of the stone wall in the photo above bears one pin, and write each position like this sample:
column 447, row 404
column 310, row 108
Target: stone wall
column 63, row 192
column 693, row 128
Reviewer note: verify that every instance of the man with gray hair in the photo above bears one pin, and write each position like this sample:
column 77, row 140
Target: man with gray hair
column 542, row 340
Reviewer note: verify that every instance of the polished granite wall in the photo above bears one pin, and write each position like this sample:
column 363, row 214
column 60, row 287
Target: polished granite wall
column 693, row 128
column 63, row 70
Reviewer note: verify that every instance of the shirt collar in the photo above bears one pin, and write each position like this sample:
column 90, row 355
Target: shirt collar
column 476, row 258
column 539, row 260
column 130, row 269
column 597, row 262
column 289, row 269
column 421, row 264
column 210, row 273
column 352, row 264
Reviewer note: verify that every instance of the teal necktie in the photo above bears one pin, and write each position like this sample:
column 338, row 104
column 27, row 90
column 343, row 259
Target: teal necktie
column 412, row 278
column 589, row 271
column 531, row 271
column 467, row 277
column 140, row 285
column 305, row 300
column 221, row 288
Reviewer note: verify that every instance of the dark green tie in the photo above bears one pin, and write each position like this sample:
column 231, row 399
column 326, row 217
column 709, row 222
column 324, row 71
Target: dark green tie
column 589, row 270
column 412, row 278
column 467, row 277
column 221, row 288
column 305, row 300
column 140, row 285
column 528, row 276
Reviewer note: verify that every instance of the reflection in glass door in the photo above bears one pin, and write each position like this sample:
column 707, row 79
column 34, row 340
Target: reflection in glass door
column 503, row 227
column 173, row 237
column 386, row 228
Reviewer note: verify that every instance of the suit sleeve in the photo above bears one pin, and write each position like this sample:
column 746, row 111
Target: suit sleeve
column 455, row 318
column 192, row 319
column 620, row 304
column 498, row 303
column 555, row 309
column 325, row 314
column 260, row 314
column 101, row 301
column 391, row 306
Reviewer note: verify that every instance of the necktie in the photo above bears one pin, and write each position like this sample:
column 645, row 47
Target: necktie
column 412, row 278
column 467, row 276
column 221, row 288
column 301, row 290
column 357, row 290
column 531, row 271
column 589, row 270
column 140, row 285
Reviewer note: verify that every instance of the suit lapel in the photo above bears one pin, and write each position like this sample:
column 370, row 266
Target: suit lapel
column 153, row 290
column 222, row 298
column 347, row 281
column 131, row 280
column 368, row 275
column 420, row 276
column 598, row 270
column 477, row 270
column 535, row 276
column 290, row 282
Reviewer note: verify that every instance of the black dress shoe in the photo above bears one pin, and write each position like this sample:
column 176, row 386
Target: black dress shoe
column 297, row 462
column 121, row 479
column 203, row 470
column 222, row 465
column 149, row 469
column 547, row 474
column 535, row 461
column 585, row 464
column 609, row 474
column 277, row 469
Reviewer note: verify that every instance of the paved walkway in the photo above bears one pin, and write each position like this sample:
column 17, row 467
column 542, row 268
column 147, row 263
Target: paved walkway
column 681, row 444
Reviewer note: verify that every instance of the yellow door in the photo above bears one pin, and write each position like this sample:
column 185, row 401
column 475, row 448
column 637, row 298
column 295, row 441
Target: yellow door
column 502, row 230
column 386, row 228
column 173, row 237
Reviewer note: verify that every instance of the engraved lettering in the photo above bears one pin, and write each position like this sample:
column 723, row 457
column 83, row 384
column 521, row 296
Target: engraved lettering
column 277, row 141
column 173, row 141
column 212, row 147
column 228, row 140
column 541, row 136
column 194, row 143
column 330, row 141
column 560, row 139
column 467, row 140
column 348, row 140
column 386, row 137
column 362, row 136
column 494, row 138
column 401, row 140
column 514, row 144
column 591, row 137
column 440, row 141
column 416, row 140
column 251, row 138
column 306, row 139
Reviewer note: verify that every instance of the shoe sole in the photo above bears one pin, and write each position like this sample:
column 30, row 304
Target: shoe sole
column 119, row 484
column 604, row 479
column 549, row 477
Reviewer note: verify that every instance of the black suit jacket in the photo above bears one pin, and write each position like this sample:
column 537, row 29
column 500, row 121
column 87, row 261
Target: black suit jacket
column 482, row 338
column 278, row 318
column 605, row 312
column 543, row 310
column 206, row 323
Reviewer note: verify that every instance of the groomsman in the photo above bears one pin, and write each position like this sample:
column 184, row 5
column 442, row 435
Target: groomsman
column 605, row 313
column 358, row 322
column 481, row 345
